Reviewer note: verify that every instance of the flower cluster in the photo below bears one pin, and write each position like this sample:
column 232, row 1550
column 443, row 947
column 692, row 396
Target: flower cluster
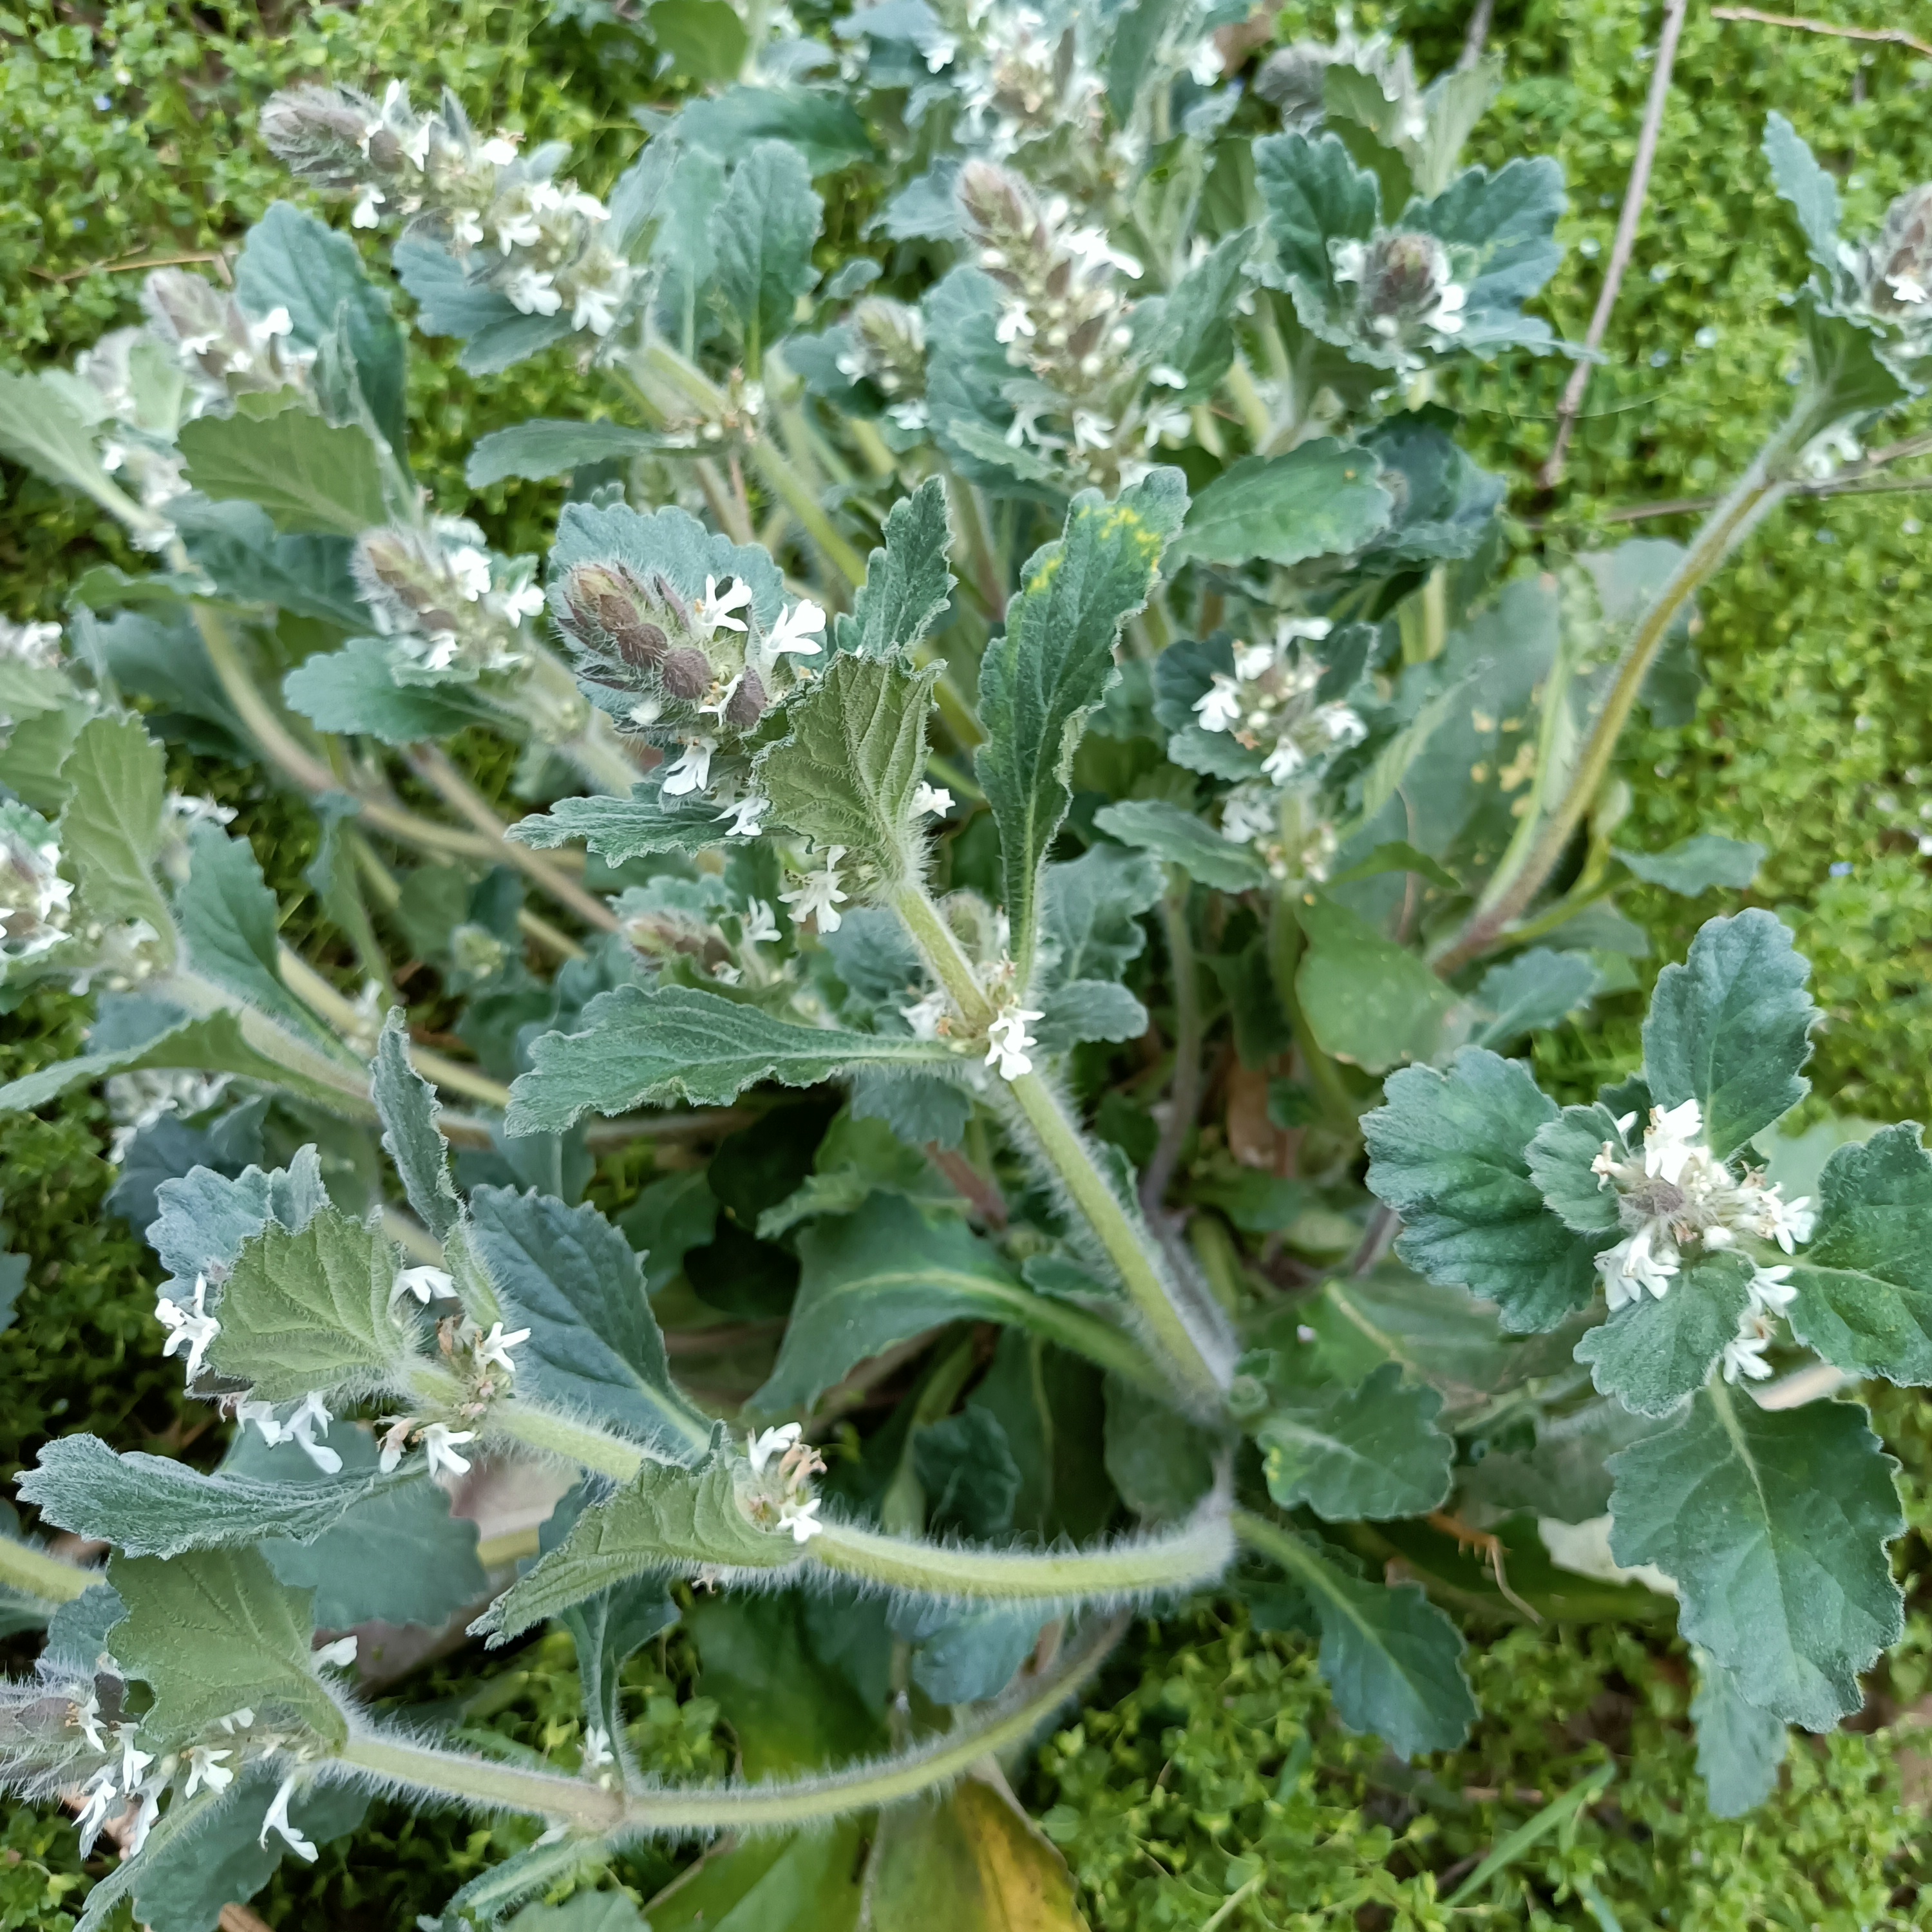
column 135, row 1101
column 35, row 901
column 1064, row 321
column 1405, row 296
column 693, row 675
column 1894, row 271
column 535, row 240
column 36, row 646
column 450, row 604
column 888, row 349
column 1679, row 1202
column 783, row 1467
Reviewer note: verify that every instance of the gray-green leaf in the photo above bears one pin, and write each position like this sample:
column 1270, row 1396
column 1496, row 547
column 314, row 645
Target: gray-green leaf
column 408, row 1105
column 542, row 448
column 355, row 691
column 1812, row 193
column 645, row 1047
column 1321, row 499
column 228, row 921
column 620, row 829
column 907, row 584
column 1650, row 1355
column 1369, row 1001
column 1730, row 1028
column 1774, row 1523
column 1373, row 1452
column 1038, row 681
column 1694, row 865
column 308, row 475
column 1177, row 838
column 111, row 828
column 763, row 233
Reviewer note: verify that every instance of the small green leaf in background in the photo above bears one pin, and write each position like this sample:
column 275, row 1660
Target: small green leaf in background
column 1321, row 499
column 1695, row 865
column 846, row 774
column 645, row 1047
column 1368, row 1453
column 1369, row 1001
column 1177, row 838
column 354, row 690
column 1535, row 990
column 111, row 828
column 312, row 1310
column 1864, row 1283
column 1162, row 1463
column 1562, row 1156
column 1775, row 1525
column 970, row 1862
column 41, row 429
column 1650, row 1355
column 1446, row 1152
column 1740, row 1748
column 228, row 919
column 1812, row 193
column 1038, row 681
column 1731, row 1028
column 211, row 1632
column 543, row 449
column 408, row 1107
column 308, row 475
column 618, row 829
column 765, row 229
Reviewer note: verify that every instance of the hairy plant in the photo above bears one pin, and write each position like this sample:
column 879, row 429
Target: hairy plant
column 987, row 1331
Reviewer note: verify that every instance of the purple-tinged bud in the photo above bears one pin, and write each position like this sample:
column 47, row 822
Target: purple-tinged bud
column 688, row 673
column 748, row 703
column 1900, row 274
column 608, row 601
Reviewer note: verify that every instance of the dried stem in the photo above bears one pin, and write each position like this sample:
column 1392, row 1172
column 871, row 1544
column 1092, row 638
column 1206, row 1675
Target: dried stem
column 1551, row 472
column 1895, row 37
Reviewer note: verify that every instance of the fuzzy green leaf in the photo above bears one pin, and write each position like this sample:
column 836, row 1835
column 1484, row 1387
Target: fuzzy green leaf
column 1086, row 1009
column 311, row 1310
column 149, row 1506
column 1864, row 1283
column 667, row 1520
column 1740, row 1748
column 1091, row 909
column 408, row 1105
column 650, row 1047
column 1560, row 1158
column 308, row 475
column 228, row 921
column 907, row 584
column 1038, row 681
column 354, row 690
column 578, row 1286
column 1314, row 194
column 211, row 1632
column 1369, row 1001
column 1651, row 1355
column 1446, row 1151
column 111, row 829
column 1368, row 1453
column 846, row 774
column 1694, row 865
column 1177, row 838
column 1812, row 193
column 1536, row 989
column 41, row 429
column 1773, row 1524
column 1730, row 1027
column 763, row 233
column 1321, row 499
column 621, row 828
column 542, row 448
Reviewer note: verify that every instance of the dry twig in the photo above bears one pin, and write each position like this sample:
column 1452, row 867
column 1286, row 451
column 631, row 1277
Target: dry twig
column 1893, row 36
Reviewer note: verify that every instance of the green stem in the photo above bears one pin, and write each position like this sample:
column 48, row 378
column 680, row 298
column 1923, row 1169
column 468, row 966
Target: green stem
column 1188, row 1558
column 583, row 1444
column 35, row 1573
column 1540, row 842
column 791, row 490
column 943, row 953
column 1248, row 401
column 1194, row 1345
column 987, row 574
column 1285, row 945
column 275, row 1042
column 1184, row 1098
column 705, row 1809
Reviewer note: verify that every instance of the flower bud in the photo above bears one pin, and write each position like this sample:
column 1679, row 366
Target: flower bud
column 606, row 601
column 1405, row 287
column 1899, row 273
column 687, row 674
column 318, row 133
column 748, row 702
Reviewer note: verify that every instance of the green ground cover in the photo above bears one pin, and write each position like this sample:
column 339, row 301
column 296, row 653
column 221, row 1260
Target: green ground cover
column 1204, row 1767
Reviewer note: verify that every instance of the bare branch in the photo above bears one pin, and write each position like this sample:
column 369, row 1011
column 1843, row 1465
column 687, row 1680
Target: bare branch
column 1895, row 37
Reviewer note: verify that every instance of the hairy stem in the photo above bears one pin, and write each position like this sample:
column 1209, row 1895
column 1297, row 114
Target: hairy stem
column 1186, row 1559
column 943, row 953
column 1183, row 1096
column 792, row 490
column 307, row 1063
column 1193, row 1345
column 35, row 1574
column 432, row 765
column 701, row 1810
column 1540, row 844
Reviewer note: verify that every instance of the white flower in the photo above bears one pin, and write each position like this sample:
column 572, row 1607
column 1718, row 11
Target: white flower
column 800, row 1519
column 1771, row 1293
column 1743, row 1355
column 495, row 1347
column 395, row 1444
column 818, row 893
column 440, row 1441
column 1096, row 251
column 238, row 1720
column 646, row 711
column 1789, row 1221
column 37, row 645
column 1247, row 815
column 713, row 610
column 498, row 151
column 1168, row 376
column 793, row 632
column 1282, row 763
column 527, row 600
column 1219, row 707
column 930, row 798
column 101, row 1793
column 761, row 926
column 600, row 287
column 914, row 414
column 1647, row 1260
column 363, row 214
column 761, row 1448
column 939, row 53
column 1672, row 1134
column 596, row 1752
column 1291, row 630
column 531, row 292
column 747, row 816
column 193, row 1328
column 727, row 975
column 300, row 1427
column 424, row 1283
column 1014, row 322
column 517, row 228
column 416, row 143
column 470, row 567
column 1253, row 661
column 87, row 1718
column 466, row 229
column 278, row 1820
column 692, row 771
column 262, row 1415
column 208, row 1767
column 149, row 1810
column 134, row 1762
column 1008, row 1040
column 716, row 706
column 1204, row 65
column 340, row 1655
column 1091, row 430
column 1907, row 288
column 924, row 1015
column 1342, row 723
